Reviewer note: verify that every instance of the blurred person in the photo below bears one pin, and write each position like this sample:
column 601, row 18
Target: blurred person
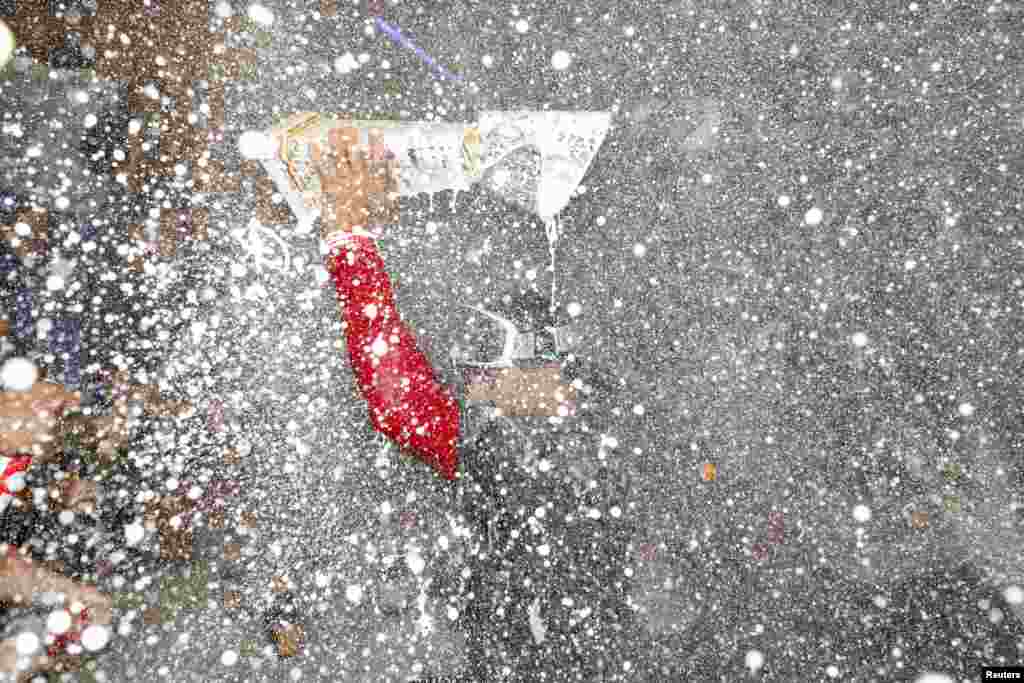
column 25, row 582
column 516, row 435
column 30, row 414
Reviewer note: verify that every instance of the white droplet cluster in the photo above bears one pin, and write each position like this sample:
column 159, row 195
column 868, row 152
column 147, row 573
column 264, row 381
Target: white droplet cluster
column 18, row 374
column 861, row 513
column 95, row 637
column 561, row 60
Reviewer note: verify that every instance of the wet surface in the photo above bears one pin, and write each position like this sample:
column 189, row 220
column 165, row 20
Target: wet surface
column 797, row 249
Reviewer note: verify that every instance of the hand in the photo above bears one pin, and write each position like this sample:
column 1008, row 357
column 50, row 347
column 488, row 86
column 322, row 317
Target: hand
column 78, row 495
column 525, row 392
column 21, row 579
column 360, row 184
column 9, row 661
column 29, row 419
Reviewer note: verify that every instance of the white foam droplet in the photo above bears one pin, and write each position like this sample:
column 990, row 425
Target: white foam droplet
column 754, row 660
column 252, row 144
column 6, row 44
column 95, row 637
column 966, row 410
column 261, row 15
column 16, row 482
column 861, row 513
column 354, row 593
column 561, row 60
column 784, row 201
column 1014, row 595
column 27, row 643
column 58, row 621
column 574, row 309
column 814, row 216
column 415, row 562
column 229, row 658
column 133, row 534
column 859, row 339
column 522, row 26
column 379, row 347
column 18, row 374
column 934, row 678
column 346, row 63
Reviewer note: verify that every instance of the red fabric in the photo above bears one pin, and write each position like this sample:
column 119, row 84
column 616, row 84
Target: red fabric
column 406, row 402
column 17, row 463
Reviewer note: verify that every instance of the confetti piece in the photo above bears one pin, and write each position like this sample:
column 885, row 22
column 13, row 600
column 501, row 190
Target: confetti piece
column 395, row 34
column 710, row 471
column 407, row 520
column 952, row 504
column 776, row 527
column 215, row 421
column 23, row 321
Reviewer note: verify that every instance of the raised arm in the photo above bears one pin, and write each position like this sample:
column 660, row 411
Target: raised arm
column 406, row 401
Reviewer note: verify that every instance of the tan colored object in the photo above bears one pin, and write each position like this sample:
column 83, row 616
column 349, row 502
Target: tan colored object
column 232, row 456
column 32, row 417
column 289, row 639
column 175, row 540
column 152, row 616
column 35, row 241
column 919, row 520
column 137, row 248
column 232, row 600
column 232, row 552
column 267, row 212
column 524, row 392
column 215, row 520
column 279, row 584
column 173, row 229
column 78, row 495
column 251, row 168
column 5, row 328
column 214, row 177
column 249, row 520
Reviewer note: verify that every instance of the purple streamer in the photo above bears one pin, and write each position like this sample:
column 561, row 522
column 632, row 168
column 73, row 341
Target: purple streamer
column 66, row 337
column 87, row 231
column 23, row 321
column 396, row 35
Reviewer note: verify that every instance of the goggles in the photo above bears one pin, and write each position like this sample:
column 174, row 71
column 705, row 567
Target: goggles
column 494, row 341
